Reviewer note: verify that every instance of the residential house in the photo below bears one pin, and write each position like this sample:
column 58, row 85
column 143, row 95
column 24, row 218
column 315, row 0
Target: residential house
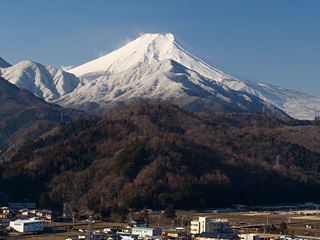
column 138, row 223
column 146, row 231
column 249, row 236
column 44, row 214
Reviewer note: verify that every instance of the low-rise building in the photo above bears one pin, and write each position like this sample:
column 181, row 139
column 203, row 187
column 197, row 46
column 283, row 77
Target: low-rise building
column 218, row 236
column 249, row 236
column 206, row 224
column 146, row 231
column 44, row 214
column 129, row 237
column 27, row 225
column 5, row 215
column 138, row 223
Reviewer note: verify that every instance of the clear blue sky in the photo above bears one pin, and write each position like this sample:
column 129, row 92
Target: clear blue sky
column 271, row 41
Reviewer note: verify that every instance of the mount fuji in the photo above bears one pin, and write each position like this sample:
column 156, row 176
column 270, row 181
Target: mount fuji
column 155, row 48
column 156, row 67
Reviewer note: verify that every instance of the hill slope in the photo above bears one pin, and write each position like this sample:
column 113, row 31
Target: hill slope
column 25, row 116
column 156, row 154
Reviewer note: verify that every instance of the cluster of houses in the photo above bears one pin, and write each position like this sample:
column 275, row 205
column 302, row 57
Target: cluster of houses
column 24, row 217
column 203, row 228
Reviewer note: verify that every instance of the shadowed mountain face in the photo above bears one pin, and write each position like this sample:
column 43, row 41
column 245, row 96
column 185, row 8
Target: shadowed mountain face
column 4, row 63
column 155, row 155
column 24, row 116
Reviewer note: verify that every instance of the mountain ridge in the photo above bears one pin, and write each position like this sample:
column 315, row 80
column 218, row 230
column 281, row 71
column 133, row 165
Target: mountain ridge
column 147, row 50
column 296, row 104
column 166, row 80
column 4, row 63
column 46, row 82
column 25, row 116
column 159, row 154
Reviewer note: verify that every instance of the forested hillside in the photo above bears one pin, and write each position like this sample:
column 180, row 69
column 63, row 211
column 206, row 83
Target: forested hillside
column 25, row 116
column 155, row 155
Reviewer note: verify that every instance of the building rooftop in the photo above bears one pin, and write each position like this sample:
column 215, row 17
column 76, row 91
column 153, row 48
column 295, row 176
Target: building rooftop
column 217, row 235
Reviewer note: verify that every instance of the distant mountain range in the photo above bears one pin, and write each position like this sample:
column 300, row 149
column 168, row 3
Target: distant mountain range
column 153, row 67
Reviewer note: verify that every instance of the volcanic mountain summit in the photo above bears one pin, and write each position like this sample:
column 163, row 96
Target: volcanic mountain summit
column 149, row 48
column 157, row 67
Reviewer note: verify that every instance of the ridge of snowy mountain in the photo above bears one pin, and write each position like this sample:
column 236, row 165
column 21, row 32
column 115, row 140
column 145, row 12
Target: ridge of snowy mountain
column 150, row 48
column 165, row 80
column 46, row 82
column 4, row 63
column 141, row 69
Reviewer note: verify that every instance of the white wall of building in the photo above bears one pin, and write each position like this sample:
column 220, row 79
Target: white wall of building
column 27, row 225
column 146, row 231
column 249, row 236
column 206, row 224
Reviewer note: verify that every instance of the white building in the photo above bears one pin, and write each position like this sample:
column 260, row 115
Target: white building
column 249, row 236
column 206, row 224
column 29, row 225
column 146, row 231
column 129, row 237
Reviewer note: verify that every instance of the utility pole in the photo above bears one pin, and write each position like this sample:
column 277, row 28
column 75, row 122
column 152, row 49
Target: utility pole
column 89, row 230
column 182, row 221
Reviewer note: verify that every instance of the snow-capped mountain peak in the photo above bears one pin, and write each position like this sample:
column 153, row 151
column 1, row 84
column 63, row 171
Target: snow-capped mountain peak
column 148, row 48
column 46, row 82
column 156, row 66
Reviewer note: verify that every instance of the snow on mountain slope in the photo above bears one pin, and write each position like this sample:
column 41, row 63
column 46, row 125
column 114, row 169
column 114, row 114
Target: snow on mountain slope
column 4, row 63
column 165, row 80
column 46, row 82
column 296, row 104
column 138, row 70
column 151, row 48
column 148, row 48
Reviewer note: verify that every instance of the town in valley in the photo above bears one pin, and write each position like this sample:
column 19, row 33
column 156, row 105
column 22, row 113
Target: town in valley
column 283, row 222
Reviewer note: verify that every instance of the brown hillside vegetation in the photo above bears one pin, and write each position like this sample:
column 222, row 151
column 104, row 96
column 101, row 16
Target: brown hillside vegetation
column 25, row 116
column 155, row 155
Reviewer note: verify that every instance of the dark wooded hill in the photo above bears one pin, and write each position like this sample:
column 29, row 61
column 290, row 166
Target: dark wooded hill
column 155, row 155
column 25, row 116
